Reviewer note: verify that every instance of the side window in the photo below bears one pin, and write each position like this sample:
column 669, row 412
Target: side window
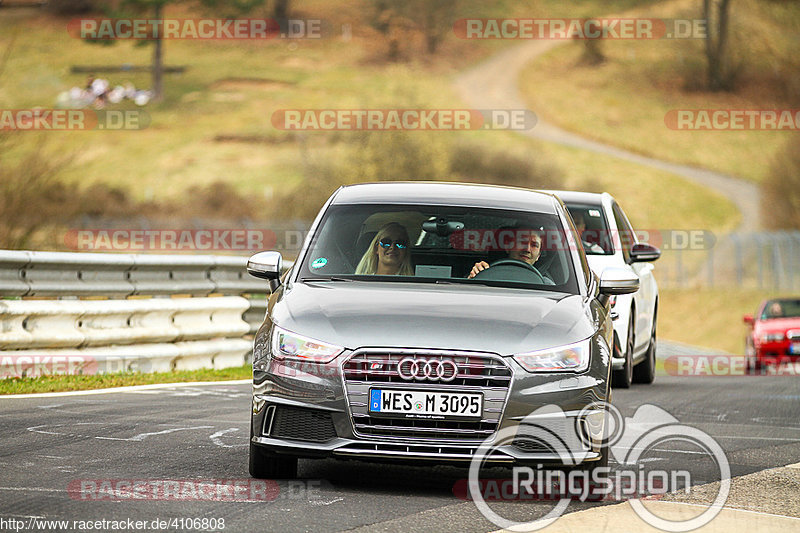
column 626, row 235
column 587, row 271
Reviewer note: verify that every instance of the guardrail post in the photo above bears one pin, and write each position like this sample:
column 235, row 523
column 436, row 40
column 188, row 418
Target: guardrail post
column 737, row 243
column 760, row 252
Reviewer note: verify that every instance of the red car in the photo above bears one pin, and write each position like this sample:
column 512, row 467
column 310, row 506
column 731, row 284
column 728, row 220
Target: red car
column 774, row 336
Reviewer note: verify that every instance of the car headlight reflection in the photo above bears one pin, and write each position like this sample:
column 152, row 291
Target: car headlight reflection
column 772, row 337
column 288, row 345
column 261, row 352
column 569, row 358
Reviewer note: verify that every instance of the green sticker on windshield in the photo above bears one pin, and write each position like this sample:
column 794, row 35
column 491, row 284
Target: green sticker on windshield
column 319, row 263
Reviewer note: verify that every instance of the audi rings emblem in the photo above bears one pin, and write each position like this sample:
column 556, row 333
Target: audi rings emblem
column 424, row 369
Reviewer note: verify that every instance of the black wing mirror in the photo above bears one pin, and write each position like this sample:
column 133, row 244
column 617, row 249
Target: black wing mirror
column 643, row 252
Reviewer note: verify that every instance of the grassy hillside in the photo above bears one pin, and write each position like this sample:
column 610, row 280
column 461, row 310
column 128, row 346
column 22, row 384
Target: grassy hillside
column 623, row 101
column 708, row 317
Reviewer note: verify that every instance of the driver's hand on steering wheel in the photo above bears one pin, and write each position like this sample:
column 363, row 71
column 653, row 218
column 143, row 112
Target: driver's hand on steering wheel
column 482, row 265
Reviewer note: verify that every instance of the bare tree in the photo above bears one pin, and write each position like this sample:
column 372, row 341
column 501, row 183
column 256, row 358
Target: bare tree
column 154, row 10
column 717, row 16
column 434, row 18
column 281, row 9
column 780, row 190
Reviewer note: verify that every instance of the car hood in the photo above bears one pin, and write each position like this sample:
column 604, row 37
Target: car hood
column 776, row 325
column 357, row 314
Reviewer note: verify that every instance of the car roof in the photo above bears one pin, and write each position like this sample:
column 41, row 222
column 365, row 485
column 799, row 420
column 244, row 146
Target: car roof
column 447, row 193
column 579, row 197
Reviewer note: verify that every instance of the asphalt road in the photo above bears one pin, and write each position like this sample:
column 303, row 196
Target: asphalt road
column 199, row 433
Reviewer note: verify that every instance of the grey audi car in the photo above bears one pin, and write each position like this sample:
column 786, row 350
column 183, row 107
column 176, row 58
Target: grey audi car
column 422, row 319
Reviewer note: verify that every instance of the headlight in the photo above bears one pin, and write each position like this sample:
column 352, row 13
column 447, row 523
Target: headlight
column 772, row 337
column 288, row 345
column 569, row 358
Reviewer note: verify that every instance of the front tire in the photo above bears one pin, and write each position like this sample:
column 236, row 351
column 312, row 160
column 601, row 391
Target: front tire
column 645, row 372
column 265, row 466
column 622, row 378
column 588, row 471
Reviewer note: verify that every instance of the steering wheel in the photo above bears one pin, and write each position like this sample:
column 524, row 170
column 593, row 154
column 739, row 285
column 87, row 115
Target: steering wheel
column 511, row 270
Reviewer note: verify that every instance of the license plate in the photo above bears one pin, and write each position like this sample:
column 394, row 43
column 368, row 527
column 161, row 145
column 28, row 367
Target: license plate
column 794, row 348
column 424, row 404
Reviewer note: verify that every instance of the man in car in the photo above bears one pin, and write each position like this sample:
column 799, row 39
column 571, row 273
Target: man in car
column 580, row 225
column 527, row 246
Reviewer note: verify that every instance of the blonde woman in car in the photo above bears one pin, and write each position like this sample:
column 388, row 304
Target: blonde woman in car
column 388, row 253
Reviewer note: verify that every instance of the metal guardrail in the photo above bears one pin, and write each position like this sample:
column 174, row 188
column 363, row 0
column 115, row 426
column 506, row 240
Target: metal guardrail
column 755, row 260
column 43, row 319
column 24, row 273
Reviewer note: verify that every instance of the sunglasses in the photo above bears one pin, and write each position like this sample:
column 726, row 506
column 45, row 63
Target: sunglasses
column 387, row 243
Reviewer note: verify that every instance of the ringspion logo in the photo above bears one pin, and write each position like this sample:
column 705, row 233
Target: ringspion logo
column 39, row 119
column 556, row 434
column 403, row 119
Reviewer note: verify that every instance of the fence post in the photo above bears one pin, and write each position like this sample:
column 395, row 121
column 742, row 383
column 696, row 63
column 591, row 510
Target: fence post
column 776, row 261
column 711, row 267
column 790, row 259
column 795, row 264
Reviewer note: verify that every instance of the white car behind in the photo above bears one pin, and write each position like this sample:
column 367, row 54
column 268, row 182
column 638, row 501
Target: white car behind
column 610, row 241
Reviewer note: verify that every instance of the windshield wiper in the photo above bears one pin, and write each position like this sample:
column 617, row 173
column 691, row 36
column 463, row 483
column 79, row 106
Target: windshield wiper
column 331, row 278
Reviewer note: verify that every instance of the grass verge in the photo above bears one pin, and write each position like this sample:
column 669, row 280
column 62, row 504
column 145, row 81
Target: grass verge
column 125, row 379
column 708, row 317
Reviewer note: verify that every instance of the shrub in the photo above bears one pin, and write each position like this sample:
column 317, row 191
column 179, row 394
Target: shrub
column 780, row 191
column 476, row 163
column 31, row 196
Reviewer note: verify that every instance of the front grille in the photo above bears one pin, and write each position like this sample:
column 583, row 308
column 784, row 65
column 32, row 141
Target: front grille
column 298, row 423
column 483, row 373
column 553, row 435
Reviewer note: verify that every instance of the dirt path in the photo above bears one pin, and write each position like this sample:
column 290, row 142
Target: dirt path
column 493, row 84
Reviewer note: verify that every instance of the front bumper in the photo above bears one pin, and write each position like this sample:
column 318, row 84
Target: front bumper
column 366, row 450
column 562, row 404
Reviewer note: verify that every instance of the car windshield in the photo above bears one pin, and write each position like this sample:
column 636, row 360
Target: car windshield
column 781, row 309
column 591, row 224
column 440, row 244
